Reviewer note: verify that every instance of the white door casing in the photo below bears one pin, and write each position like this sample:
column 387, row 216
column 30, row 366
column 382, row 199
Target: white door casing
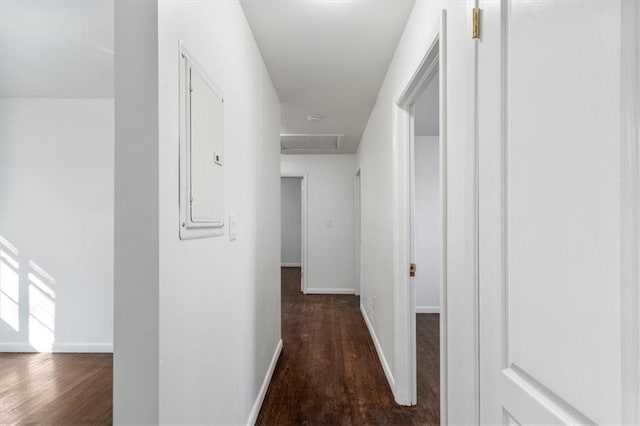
column 358, row 232
column 433, row 62
column 304, row 276
column 303, row 234
column 558, row 212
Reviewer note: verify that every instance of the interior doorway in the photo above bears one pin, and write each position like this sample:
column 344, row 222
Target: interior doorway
column 421, row 251
column 293, row 253
column 426, row 248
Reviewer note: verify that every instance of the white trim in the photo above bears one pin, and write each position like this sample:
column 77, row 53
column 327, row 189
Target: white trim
column 383, row 360
column 433, row 61
column 357, row 230
column 427, row 309
column 58, row 347
column 291, row 265
column 330, row 291
column 444, row 333
column 630, row 208
column 257, row 405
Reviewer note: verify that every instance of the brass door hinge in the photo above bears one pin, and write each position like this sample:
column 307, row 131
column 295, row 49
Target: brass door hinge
column 476, row 23
column 412, row 270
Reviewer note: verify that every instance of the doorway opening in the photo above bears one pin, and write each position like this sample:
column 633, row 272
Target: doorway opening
column 426, row 252
column 293, row 253
column 421, row 251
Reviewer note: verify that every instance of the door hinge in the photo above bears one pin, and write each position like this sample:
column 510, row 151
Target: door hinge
column 412, row 270
column 476, row 23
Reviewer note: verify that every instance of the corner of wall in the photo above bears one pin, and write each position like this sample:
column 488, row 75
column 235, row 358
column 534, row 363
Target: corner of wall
column 136, row 246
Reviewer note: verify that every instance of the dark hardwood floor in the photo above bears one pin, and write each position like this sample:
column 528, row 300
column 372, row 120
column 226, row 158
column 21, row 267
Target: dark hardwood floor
column 64, row 389
column 329, row 372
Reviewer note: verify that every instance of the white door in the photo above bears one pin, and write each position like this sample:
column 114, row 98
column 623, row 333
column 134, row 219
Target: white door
column 558, row 300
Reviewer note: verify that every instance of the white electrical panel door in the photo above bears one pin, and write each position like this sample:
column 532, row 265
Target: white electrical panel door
column 201, row 152
column 206, row 137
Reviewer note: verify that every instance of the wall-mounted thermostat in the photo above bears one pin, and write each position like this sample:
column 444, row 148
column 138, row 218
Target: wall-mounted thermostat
column 201, row 152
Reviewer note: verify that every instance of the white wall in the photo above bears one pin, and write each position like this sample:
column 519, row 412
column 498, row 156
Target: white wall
column 428, row 226
column 56, row 224
column 217, row 303
column 136, row 262
column 218, row 315
column 291, row 208
column 219, row 300
column 330, row 184
column 376, row 156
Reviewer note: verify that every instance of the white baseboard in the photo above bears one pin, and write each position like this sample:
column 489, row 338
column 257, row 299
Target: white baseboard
column 291, row 265
column 427, row 309
column 59, row 347
column 330, row 291
column 255, row 410
column 383, row 360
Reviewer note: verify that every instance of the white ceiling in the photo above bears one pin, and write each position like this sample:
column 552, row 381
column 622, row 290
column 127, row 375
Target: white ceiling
column 427, row 113
column 56, row 49
column 327, row 57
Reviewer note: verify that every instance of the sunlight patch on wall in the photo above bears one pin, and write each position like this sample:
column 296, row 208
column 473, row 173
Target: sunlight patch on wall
column 42, row 308
column 9, row 285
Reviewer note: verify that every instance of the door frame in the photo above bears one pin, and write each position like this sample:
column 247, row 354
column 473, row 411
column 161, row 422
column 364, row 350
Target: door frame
column 304, row 232
column 357, row 230
column 630, row 191
column 434, row 61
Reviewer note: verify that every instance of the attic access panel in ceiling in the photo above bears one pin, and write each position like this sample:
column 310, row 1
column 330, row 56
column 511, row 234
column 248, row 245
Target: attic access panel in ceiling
column 311, row 142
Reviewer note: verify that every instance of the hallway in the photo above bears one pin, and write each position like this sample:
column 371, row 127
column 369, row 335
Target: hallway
column 319, row 212
column 329, row 372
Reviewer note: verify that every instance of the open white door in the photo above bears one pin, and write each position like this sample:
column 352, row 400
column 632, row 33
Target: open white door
column 558, row 212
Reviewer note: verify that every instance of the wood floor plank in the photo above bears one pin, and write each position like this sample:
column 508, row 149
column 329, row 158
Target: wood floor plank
column 329, row 372
column 64, row 389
